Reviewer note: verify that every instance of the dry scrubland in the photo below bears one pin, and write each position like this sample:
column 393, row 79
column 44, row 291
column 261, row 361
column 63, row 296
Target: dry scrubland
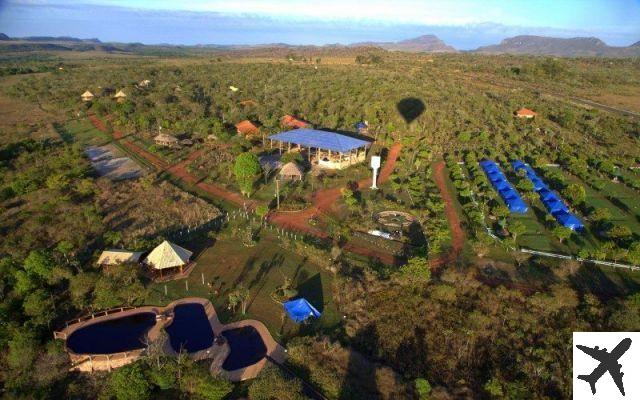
column 489, row 323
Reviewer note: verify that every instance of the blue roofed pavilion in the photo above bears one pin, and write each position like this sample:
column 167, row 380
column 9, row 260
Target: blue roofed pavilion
column 325, row 149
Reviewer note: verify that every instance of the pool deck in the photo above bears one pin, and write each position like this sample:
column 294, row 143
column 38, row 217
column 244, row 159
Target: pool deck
column 217, row 352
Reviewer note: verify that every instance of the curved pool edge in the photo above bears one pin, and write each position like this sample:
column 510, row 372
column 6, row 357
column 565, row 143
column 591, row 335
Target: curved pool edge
column 275, row 351
column 106, row 362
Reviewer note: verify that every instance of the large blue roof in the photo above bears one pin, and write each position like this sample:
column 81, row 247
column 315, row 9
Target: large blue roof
column 323, row 139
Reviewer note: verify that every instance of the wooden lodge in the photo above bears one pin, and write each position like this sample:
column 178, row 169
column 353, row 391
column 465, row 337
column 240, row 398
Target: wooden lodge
column 323, row 149
column 166, row 140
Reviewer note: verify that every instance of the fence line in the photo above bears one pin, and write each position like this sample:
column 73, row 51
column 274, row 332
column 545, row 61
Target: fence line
column 583, row 260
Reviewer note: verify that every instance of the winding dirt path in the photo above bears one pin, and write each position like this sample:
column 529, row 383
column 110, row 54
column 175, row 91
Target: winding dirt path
column 457, row 233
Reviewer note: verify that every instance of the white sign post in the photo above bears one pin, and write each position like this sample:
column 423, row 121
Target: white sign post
column 375, row 165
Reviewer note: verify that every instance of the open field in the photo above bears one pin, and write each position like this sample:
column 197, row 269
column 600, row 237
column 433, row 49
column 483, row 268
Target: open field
column 227, row 263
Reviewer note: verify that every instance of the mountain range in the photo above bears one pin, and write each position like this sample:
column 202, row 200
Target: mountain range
column 572, row 47
column 524, row 44
column 421, row 44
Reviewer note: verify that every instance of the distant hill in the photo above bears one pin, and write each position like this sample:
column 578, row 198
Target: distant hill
column 421, row 44
column 572, row 47
column 49, row 39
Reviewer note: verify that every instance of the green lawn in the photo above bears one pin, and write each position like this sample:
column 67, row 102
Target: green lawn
column 83, row 132
column 622, row 202
column 227, row 263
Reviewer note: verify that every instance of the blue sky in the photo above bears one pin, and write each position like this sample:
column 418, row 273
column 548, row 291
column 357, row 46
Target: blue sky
column 465, row 24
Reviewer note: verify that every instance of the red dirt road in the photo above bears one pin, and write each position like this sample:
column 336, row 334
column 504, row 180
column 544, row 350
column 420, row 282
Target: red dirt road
column 323, row 202
column 178, row 170
column 156, row 161
column 457, row 234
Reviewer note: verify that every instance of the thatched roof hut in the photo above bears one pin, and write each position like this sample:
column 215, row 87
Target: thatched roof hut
column 291, row 171
column 120, row 96
column 87, row 96
column 168, row 255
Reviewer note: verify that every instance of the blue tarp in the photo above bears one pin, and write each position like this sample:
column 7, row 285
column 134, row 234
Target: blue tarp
column 300, row 309
column 555, row 205
column 569, row 220
column 503, row 187
column 325, row 140
column 552, row 202
column 546, row 194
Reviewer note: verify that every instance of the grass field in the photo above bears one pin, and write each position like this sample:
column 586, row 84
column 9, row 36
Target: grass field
column 227, row 263
column 81, row 131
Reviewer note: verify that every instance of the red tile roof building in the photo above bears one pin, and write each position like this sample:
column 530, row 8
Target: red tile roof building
column 247, row 128
column 525, row 113
column 289, row 121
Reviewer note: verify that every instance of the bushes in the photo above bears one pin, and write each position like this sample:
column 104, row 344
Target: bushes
column 273, row 384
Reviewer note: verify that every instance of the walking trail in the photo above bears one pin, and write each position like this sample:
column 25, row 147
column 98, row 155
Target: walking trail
column 178, row 170
column 323, row 201
column 457, row 234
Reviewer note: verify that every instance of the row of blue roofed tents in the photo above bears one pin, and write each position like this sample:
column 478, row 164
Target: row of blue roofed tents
column 552, row 202
column 507, row 192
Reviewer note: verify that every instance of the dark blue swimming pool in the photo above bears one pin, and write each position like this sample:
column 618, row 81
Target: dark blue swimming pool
column 190, row 330
column 247, row 348
column 113, row 336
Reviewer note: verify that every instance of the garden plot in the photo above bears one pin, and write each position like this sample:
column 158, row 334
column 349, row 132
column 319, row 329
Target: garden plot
column 110, row 163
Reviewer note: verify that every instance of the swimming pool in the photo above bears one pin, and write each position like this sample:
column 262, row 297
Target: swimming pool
column 247, row 348
column 190, row 329
column 112, row 336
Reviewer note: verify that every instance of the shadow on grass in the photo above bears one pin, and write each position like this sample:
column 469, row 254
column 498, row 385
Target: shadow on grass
column 311, row 289
column 592, row 279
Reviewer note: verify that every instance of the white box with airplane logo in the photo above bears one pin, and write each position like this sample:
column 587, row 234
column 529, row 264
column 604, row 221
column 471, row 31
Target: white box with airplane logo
column 606, row 365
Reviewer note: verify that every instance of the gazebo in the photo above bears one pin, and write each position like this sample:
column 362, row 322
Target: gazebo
column 87, row 96
column 324, row 149
column 168, row 256
column 291, row 171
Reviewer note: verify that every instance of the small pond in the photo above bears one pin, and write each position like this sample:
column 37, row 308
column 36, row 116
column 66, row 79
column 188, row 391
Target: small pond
column 112, row 336
column 247, row 348
column 190, row 330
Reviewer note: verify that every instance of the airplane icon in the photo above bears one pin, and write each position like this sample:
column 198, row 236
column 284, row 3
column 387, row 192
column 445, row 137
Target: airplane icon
column 608, row 363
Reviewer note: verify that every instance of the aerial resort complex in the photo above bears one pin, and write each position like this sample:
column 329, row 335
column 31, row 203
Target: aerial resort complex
column 324, row 149
column 355, row 218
